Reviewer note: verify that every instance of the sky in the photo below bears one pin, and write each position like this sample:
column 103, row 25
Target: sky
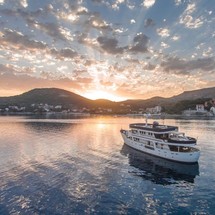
column 122, row 49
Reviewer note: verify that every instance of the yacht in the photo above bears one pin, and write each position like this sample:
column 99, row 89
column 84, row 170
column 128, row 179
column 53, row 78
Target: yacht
column 161, row 140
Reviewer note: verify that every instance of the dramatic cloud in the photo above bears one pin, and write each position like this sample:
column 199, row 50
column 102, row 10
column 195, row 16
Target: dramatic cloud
column 182, row 66
column 20, row 41
column 49, row 28
column 104, row 45
column 110, row 45
column 140, row 43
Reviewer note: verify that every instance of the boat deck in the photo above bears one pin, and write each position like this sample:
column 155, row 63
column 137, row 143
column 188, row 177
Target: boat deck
column 154, row 128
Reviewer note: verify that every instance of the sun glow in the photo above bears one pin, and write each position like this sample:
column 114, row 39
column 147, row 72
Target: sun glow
column 96, row 94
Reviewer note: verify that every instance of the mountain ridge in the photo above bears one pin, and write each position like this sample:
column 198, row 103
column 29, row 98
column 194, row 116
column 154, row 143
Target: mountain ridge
column 56, row 96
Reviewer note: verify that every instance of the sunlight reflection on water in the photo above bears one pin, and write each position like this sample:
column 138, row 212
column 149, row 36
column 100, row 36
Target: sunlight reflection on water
column 64, row 166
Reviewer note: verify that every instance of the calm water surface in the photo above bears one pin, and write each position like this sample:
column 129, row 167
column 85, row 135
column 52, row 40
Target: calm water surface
column 81, row 166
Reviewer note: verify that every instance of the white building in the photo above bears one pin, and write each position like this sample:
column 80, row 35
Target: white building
column 154, row 110
column 200, row 108
column 212, row 110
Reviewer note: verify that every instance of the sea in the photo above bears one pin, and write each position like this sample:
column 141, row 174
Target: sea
column 80, row 165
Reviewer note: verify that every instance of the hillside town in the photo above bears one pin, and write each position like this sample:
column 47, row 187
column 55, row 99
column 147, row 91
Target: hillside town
column 206, row 109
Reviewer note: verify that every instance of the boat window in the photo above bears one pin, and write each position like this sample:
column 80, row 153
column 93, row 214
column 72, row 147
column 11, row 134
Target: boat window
column 134, row 131
column 184, row 149
column 149, row 145
column 136, row 139
column 161, row 136
column 173, row 148
column 159, row 146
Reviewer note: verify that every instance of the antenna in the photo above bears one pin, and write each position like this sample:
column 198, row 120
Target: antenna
column 147, row 115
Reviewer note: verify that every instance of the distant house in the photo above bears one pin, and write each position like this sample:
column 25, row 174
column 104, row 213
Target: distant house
column 212, row 110
column 200, row 110
column 154, row 110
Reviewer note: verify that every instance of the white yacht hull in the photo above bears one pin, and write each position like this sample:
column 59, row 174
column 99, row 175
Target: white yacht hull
column 185, row 157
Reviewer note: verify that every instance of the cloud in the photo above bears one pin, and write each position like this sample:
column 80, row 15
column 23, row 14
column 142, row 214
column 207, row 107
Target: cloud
column 163, row 32
column 16, row 70
column 148, row 3
column 24, row 3
column 182, row 66
column 64, row 53
column 175, row 37
column 110, row 45
column 178, row 2
column 49, row 28
column 164, row 45
column 26, row 14
column 6, row 69
column 20, row 83
column 20, row 41
column 53, row 29
column 149, row 23
column 140, row 43
column 187, row 17
column 149, row 66
column 97, row 22
column 98, row 1
column 15, row 78
column 208, row 52
column 83, row 38
column 132, row 21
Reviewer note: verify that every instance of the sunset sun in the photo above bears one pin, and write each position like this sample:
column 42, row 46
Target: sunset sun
column 97, row 94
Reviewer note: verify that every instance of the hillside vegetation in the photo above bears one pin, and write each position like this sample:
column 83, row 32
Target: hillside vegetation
column 67, row 99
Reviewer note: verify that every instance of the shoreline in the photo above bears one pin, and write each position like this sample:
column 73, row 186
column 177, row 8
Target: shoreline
column 166, row 116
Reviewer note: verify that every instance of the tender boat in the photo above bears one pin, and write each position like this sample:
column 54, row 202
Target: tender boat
column 161, row 140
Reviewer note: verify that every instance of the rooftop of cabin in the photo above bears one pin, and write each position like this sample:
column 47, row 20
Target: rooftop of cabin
column 153, row 127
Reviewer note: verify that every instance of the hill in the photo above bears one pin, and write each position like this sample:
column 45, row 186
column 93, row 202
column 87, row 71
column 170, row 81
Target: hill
column 67, row 99
column 195, row 94
column 206, row 93
column 52, row 96
column 178, row 103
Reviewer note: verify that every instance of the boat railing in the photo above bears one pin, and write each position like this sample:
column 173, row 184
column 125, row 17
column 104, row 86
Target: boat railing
column 182, row 141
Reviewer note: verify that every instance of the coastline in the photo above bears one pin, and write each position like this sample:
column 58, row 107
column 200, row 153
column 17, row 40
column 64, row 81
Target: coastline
column 64, row 115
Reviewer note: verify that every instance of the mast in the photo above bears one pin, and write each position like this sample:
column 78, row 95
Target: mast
column 147, row 115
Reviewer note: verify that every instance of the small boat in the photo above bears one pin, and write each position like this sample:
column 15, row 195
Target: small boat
column 162, row 141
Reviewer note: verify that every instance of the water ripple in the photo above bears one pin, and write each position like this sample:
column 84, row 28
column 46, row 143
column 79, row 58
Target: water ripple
column 82, row 167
